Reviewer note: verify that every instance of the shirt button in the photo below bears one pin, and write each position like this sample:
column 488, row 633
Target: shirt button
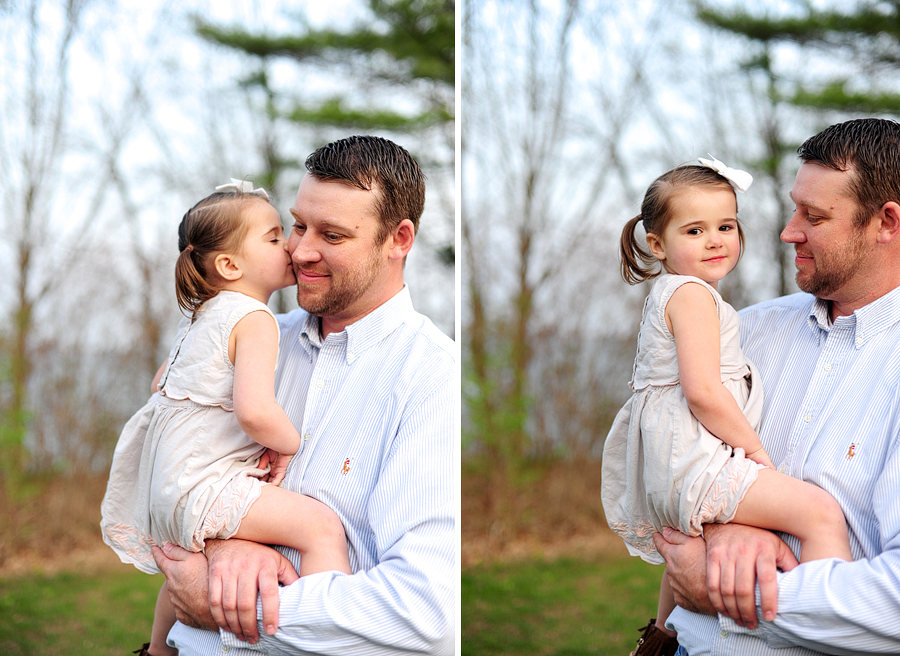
column 827, row 367
column 807, row 418
column 320, row 384
column 859, row 341
column 224, row 649
column 351, row 356
column 305, row 436
column 724, row 634
column 782, row 469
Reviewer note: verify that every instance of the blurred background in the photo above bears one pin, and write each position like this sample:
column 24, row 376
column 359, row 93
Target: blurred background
column 115, row 118
column 570, row 108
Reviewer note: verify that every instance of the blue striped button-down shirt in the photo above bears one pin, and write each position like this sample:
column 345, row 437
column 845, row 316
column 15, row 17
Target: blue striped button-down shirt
column 831, row 417
column 376, row 408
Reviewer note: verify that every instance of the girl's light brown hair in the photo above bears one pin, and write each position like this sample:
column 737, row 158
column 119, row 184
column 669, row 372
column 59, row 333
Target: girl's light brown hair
column 212, row 226
column 638, row 263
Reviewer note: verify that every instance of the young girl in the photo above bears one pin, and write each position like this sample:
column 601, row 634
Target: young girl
column 186, row 467
column 684, row 450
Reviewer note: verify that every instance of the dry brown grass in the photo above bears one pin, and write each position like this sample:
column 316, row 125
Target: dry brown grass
column 553, row 510
column 55, row 528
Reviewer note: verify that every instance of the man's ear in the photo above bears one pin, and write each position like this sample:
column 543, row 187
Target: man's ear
column 401, row 239
column 889, row 218
column 227, row 267
column 656, row 246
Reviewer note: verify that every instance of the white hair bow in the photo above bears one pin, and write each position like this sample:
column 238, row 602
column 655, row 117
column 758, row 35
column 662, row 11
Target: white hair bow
column 740, row 180
column 244, row 186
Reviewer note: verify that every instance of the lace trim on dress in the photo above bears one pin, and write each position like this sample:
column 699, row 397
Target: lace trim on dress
column 721, row 503
column 225, row 515
column 639, row 536
column 132, row 543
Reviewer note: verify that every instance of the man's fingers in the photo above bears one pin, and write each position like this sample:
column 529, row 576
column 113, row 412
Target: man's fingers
column 726, row 590
column 745, row 592
column 768, row 588
column 785, row 559
column 667, row 539
column 216, row 601
column 268, row 592
column 246, row 607
column 161, row 561
column 229, row 608
column 714, row 587
column 174, row 552
column 287, row 574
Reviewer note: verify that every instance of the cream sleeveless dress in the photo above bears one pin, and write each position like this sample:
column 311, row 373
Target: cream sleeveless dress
column 661, row 467
column 183, row 470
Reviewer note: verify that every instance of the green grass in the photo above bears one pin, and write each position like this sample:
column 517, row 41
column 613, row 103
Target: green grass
column 564, row 608
column 77, row 615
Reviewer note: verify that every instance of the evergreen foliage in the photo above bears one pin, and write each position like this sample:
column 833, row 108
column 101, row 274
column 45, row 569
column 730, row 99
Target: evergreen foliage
column 867, row 34
column 411, row 44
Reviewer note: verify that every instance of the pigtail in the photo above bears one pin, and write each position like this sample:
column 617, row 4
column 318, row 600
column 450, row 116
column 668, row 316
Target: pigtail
column 191, row 286
column 637, row 263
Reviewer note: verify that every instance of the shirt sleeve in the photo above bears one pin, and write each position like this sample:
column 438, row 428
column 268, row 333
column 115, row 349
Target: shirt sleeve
column 839, row 607
column 405, row 603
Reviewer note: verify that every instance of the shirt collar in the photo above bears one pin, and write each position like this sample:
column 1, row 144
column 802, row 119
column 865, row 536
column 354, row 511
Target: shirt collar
column 365, row 333
column 867, row 321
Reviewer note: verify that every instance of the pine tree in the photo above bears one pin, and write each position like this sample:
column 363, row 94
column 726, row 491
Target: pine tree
column 867, row 36
column 410, row 44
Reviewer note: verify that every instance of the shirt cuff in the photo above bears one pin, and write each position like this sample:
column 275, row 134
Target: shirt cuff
column 764, row 630
column 230, row 641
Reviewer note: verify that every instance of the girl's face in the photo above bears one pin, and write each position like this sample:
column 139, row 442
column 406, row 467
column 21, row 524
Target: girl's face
column 264, row 261
column 702, row 238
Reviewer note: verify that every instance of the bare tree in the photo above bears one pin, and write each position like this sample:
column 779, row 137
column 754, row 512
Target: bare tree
column 35, row 138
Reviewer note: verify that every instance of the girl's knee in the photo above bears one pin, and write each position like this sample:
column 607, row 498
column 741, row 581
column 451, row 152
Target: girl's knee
column 826, row 513
column 326, row 524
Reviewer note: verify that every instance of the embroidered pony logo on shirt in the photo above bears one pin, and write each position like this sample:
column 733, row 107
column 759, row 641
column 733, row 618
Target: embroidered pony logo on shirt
column 851, row 451
column 346, row 468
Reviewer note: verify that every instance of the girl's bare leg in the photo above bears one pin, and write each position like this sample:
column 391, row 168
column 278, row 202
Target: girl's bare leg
column 666, row 606
column 279, row 516
column 163, row 620
column 779, row 502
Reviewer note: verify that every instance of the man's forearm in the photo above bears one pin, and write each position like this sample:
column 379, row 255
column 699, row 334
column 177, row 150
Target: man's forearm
column 838, row 607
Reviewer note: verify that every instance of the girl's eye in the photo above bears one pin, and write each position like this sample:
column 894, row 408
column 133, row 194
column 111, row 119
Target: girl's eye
column 694, row 231
column 726, row 228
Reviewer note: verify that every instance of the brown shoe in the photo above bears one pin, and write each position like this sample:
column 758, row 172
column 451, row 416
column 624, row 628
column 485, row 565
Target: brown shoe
column 654, row 642
column 143, row 651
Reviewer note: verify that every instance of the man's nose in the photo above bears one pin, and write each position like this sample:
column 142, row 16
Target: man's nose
column 302, row 249
column 791, row 234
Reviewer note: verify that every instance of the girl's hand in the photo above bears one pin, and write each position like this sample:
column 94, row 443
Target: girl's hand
column 279, row 463
column 762, row 458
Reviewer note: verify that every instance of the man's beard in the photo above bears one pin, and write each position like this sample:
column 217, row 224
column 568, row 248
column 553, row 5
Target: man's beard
column 834, row 272
column 347, row 287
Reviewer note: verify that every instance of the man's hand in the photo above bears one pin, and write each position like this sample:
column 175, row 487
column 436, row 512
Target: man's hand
column 187, row 582
column 238, row 570
column 686, row 569
column 738, row 557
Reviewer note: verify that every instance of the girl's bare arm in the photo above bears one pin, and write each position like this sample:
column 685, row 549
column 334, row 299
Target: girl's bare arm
column 694, row 322
column 255, row 339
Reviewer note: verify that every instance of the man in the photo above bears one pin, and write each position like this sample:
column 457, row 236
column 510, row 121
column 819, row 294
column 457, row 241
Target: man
column 371, row 386
column 830, row 365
